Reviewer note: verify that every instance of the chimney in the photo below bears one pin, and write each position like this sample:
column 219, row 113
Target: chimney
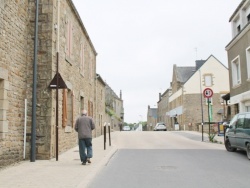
column 159, row 96
column 121, row 94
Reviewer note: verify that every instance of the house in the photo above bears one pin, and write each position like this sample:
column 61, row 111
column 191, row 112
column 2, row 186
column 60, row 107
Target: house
column 238, row 51
column 114, row 108
column 187, row 106
column 63, row 46
column 151, row 118
column 100, row 105
column 163, row 107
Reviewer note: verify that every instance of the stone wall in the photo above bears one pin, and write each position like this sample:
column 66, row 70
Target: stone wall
column 13, row 58
column 100, row 106
column 16, row 76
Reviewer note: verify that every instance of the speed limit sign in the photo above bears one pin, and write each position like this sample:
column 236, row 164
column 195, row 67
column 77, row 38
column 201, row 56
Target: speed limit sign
column 208, row 93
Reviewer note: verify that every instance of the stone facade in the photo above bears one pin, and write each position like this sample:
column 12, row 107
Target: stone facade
column 114, row 108
column 14, row 19
column 187, row 105
column 163, row 108
column 151, row 118
column 100, row 105
column 61, row 34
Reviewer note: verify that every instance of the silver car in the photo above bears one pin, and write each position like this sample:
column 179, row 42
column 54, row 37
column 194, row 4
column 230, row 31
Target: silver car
column 160, row 127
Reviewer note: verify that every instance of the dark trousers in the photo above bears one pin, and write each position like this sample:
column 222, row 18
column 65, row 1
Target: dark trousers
column 85, row 144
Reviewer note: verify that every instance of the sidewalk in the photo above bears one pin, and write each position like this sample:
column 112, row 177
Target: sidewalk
column 67, row 172
column 219, row 139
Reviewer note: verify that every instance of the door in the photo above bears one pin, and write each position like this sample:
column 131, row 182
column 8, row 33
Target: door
column 231, row 131
column 239, row 132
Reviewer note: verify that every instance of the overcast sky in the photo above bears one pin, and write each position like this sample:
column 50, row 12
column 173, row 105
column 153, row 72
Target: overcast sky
column 139, row 41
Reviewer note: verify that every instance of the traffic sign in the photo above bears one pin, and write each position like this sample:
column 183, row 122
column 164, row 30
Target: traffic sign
column 207, row 92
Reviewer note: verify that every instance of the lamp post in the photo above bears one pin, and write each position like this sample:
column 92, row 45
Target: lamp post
column 202, row 120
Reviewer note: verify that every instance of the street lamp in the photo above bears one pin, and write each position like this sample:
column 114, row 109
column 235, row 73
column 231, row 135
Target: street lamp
column 202, row 120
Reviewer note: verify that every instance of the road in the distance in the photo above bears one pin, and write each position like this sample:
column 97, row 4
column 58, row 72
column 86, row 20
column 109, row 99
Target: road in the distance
column 171, row 160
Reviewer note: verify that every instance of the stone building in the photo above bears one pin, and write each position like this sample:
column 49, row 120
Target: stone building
column 163, row 108
column 63, row 41
column 151, row 118
column 114, row 108
column 100, row 105
column 187, row 105
column 238, row 52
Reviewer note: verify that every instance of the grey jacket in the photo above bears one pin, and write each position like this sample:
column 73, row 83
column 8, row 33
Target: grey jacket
column 84, row 126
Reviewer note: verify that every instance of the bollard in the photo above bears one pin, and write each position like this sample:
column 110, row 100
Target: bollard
column 109, row 136
column 104, row 135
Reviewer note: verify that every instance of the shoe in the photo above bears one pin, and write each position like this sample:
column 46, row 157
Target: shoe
column 83, row 163
column 88, row 160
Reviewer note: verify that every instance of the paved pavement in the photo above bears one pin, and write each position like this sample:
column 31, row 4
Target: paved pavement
column 67, row 172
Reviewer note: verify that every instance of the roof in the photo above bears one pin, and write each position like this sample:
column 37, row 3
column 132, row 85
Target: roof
column 152, row 112
column 184, row 73
column 237, row 9
column 226, row 97
column 99, row 78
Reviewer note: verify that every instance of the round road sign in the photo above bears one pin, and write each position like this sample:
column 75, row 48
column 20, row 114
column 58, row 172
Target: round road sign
column 208, row 93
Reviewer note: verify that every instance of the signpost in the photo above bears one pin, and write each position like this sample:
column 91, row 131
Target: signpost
column 208, row 93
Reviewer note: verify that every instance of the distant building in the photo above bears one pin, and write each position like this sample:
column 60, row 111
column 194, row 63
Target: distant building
column 114, row 108
column 187, row 106
column 163, row 108
column 151, row 118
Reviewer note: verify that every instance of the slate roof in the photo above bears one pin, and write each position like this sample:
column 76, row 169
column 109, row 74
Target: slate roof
column 152, row 112
column 184, row 73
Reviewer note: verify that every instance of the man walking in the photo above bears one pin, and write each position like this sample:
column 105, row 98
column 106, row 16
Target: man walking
column 84, row 126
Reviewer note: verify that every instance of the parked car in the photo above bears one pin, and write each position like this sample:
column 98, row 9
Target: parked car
column 160, row 127
column 237, row 135
column 126, row 128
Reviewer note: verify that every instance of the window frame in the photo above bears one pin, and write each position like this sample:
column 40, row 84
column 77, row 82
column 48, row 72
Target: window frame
column 248, row 62
column 236, row 71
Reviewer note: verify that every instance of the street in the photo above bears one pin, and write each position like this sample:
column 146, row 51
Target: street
column 171, row 159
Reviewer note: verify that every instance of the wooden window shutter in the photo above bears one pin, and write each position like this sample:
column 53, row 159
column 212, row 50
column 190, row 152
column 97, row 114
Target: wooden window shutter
column 64, row 110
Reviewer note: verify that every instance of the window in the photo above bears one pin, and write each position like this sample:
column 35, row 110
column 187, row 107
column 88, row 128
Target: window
column 81, row 103
column 233, row 122
column 82, row 59
column 69, row 39
column 248, row 18
column 240, row 121
column 248, row 62
column 208, row 80
column 90, row 67
column 238, row 28
column 247, row 121
column 68, row 106
column 90, row 108
column 236, row 76
column 236, row 108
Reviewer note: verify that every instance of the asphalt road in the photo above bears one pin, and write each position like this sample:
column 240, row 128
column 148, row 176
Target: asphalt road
column 171, row 160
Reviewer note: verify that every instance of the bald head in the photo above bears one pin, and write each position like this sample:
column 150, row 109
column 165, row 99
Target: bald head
column 84, row 112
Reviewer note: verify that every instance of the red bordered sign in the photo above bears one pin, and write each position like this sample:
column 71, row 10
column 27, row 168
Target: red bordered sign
column 208, row 93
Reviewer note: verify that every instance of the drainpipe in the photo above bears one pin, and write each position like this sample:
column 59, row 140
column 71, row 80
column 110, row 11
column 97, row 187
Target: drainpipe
column 33, row 128
column 57, row 79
